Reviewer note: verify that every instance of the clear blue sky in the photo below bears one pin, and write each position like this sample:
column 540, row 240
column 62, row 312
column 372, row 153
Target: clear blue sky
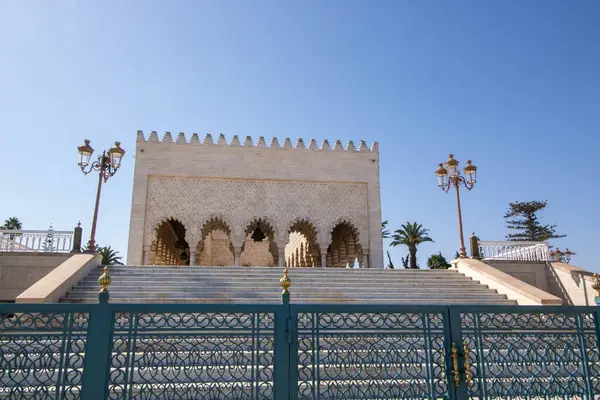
column 512, row 85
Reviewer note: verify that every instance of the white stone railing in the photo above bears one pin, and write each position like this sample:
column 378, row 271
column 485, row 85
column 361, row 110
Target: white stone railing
column 49, row 241
column 518, row 251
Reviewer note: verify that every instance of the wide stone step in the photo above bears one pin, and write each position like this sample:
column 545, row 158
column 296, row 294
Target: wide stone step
column 354, row 288
column 490, row 301
column 314, row 276
column 300, row 287
column 277, row 271
column 330, row 293
column 299, row 269
column 312, row 272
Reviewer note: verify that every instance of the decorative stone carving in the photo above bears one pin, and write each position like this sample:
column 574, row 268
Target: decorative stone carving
column 281, row 203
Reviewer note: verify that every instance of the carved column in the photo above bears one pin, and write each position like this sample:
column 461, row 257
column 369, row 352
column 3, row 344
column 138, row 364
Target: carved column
column 208, row 248
column 323, row 258
column 366, row 259
column 146, row 260
column 282, row 257
column 192, row 258
column 237, row 251
column 159, row 252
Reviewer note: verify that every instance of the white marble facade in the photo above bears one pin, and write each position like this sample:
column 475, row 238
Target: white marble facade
column 309, row 191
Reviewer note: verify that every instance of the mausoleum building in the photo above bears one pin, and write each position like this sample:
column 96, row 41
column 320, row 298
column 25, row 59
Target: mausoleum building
column 252, row 203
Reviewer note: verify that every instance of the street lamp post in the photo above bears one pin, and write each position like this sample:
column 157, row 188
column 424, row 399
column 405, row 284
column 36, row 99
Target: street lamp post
column 450, row 177
column 107, row 165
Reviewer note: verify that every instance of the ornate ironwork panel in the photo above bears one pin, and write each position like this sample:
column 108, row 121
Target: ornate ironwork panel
column 192, row 355
column 42, row 354
column 531, row 353
column 378, row 354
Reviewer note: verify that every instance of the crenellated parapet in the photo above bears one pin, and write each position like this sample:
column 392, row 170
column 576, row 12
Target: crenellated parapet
column 260, row 143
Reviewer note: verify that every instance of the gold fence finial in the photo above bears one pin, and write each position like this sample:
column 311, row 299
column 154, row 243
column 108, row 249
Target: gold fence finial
column 285, row 282
column 104, row 280
column 596, row 285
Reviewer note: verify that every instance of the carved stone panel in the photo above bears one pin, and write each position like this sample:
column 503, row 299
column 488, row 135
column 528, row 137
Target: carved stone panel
column 193, row 201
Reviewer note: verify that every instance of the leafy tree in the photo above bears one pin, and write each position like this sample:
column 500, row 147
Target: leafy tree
column 109, row 255
column 438, row 261
column 12, row 223
column 385, row 233
column 411, row 235
column 390, row 263
column 522, row 218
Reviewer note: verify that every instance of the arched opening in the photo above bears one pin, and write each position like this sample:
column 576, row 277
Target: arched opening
column 169, row 246
column 215, row 247
column 344, row 249
column 259, row 248
column 302, row 249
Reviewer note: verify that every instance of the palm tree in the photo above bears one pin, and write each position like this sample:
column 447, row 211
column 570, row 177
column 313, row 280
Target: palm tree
column 109, row 256
column 385, row 233
column 12, row 223
column 411, row 235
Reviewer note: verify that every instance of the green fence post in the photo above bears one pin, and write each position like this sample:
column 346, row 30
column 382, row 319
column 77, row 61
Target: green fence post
column 98, row 346
column 283, row 338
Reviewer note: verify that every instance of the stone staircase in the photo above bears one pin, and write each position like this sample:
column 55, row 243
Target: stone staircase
column 242, row 285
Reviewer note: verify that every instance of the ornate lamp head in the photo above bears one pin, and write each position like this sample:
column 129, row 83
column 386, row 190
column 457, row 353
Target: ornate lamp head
column 85, row 152
column 470, row 173
column 116, row 154
column 442, row 175
column 452, row 166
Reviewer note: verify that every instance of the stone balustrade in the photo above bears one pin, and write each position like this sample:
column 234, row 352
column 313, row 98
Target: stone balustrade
column 48, row 241
column 517, row 251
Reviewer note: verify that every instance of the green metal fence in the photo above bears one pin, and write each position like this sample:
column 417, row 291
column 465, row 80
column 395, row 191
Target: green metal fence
column 296, row 351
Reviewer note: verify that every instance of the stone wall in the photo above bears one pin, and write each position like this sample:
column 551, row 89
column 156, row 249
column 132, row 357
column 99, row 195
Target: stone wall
column 534, row 273
column 20, row 270
column 193, row 182
column 568, row 282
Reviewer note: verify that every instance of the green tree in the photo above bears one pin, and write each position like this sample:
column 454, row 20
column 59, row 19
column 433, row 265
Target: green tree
column 12, row 223
column 390, row 263
column 385, row 233
column 438, row 261
column 109, row 255
column 522, row 218
column 411, row 235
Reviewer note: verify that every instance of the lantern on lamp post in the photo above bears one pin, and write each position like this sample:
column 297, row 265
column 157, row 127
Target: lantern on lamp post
column 561, row 256
column 450, row 177
column 106, row 165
